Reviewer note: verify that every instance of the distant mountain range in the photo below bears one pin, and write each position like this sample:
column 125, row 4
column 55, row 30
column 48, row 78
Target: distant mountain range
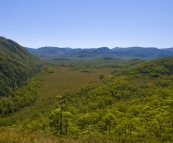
column 129, row 52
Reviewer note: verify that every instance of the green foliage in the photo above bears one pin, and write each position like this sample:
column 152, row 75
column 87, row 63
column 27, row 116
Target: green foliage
column 100, row 62
column 17, row 65
column 23, row 96
column 134, row 106
column 59, row 121
column 101, row 76
column 153, row 68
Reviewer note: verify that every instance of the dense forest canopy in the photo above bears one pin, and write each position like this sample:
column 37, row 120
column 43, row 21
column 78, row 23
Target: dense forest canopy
column 17, row 65
column 134, row 106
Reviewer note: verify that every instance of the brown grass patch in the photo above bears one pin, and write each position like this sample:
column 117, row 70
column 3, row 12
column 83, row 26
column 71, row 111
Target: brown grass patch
column 62, row 80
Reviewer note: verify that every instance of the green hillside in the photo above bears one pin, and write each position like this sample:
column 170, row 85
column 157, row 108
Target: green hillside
column 153, row 68
column 17, row 65
column 135, row 106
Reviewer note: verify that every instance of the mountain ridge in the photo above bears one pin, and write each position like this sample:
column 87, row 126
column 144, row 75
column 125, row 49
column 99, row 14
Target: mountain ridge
column 129, row 52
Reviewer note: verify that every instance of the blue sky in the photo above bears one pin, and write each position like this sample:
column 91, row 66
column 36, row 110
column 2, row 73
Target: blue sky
column 88, row 23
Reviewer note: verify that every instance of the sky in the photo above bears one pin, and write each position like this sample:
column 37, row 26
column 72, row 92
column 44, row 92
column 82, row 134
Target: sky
column 88, row 23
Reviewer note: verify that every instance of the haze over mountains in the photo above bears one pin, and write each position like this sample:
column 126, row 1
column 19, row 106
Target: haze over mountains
column 129, row 52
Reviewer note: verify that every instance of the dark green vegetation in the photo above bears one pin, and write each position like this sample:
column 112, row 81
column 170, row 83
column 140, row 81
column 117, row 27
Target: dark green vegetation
column 17, row 65
column 21, row 97
column 130, row 52
column 103, row 99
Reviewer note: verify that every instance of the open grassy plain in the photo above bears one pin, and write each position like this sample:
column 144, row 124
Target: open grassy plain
column 62, row 80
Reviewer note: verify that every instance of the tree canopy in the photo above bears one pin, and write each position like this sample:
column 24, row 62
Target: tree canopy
column 17, row 65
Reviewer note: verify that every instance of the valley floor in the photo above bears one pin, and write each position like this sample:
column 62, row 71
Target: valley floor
column 62, row 80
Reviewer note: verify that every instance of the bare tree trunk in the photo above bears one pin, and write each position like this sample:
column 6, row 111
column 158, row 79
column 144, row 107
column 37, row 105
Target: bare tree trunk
column 60, row 127
column 66, row 126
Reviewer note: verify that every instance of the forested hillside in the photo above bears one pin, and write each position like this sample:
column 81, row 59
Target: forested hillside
column 136, row 105
column 17, row 65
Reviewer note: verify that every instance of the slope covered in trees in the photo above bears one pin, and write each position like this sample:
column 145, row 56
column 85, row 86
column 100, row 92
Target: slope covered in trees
column 134, row 106
column 17, row 65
